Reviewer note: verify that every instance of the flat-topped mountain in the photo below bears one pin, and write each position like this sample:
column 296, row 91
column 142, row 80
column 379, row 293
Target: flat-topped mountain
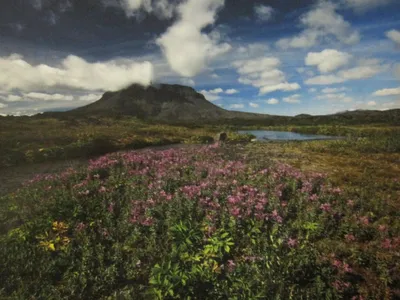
column 183, row 104
column 159, row 102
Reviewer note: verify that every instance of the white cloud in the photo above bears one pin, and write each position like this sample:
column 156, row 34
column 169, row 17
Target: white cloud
column 215, row 76
column 231, row 91
column 253, row 50
column 320, row 23
column 48, row 97
column 293, row 99
column 73, row 72
column 361, row 72
column 90, row 97
column 394, row 35
column 387, row 92
column 272, row 101
column 216, row 91
column 188, row 82
column 312, row 90
column 13, row 98
column 358, row 72
column 327, row 60
column 333, row 90
column 371, row 103
column 335, row 97
column 163, row 9
column 264, row 74
column 185, row 47
column 279, row 87
column 324, row 79
column 364, row 5
column 254, row 105
column 3, row 105
column 263, row 13
column 210, row 96
column 236, row 106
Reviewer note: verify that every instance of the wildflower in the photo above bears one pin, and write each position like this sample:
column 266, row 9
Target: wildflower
column 235, row 211
column 346, row 268
column 386, row 244
column 313, row 197
column 111, row 207
column 292, row 242
column 350, row 203
column 102, row 189
column 325, row 207
column 276, row 217
column 80, row 226
column 230, row 266
column 364, row 220
column 340, row 285
column 382, row 228
column 350, row 238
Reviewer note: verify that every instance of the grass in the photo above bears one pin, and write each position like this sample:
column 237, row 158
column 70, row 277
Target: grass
column 299, row 220
column 29, row 140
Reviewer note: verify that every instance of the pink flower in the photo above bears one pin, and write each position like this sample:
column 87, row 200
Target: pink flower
column 230, row 266
column 340, row 285
column 382, row 228
column 387, row 244
column 325, row 207
column 102, row 189
column 292, row 242
column 80, row 226
column 350, row 238
column 313, row 197
column 346, row 268
column 364, row 220
column 235, row 211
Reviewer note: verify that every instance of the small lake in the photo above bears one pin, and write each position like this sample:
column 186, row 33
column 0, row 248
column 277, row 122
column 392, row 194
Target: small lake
column 265, row 135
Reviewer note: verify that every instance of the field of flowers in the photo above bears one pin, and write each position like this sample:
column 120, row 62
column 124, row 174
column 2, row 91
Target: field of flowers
column 200, row 223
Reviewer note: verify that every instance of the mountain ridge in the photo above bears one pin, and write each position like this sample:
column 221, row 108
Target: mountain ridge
column 174, row 103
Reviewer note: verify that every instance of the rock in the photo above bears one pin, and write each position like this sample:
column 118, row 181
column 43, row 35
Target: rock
column 253, row 140
column 221, row 137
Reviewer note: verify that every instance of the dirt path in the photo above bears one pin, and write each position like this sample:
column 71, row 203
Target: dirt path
column 12, row 178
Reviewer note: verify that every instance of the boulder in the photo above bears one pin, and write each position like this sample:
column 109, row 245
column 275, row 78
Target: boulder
column 221, row 137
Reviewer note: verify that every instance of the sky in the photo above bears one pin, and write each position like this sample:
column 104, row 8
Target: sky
column 281, row 57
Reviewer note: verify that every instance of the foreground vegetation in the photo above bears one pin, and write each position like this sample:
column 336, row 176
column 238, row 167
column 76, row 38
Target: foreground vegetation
column 221, row 222
column 298, row 220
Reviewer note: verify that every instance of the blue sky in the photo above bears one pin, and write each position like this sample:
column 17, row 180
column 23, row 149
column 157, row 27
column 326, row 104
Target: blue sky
column 274, row 57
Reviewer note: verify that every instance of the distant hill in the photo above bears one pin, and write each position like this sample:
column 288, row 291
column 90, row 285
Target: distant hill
column 181, row 104
column 162, row 102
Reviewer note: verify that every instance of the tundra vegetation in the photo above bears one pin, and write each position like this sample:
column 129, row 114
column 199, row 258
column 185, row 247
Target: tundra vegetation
column 293, row 220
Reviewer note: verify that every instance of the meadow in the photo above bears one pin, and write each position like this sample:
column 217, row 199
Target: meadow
column 298, row 220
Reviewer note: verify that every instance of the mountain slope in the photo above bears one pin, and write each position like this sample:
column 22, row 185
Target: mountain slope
column 182, row 104
column 161, row 102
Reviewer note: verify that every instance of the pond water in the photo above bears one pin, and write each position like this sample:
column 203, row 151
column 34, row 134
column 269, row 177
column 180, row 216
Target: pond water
column 265, row 135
